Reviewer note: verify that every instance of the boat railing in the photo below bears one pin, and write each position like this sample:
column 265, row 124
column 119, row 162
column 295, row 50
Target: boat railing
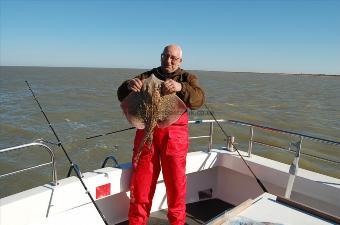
column 25, row 147
column 276, row 130
column 297, row 145
column 211, row 130
column 252, row 141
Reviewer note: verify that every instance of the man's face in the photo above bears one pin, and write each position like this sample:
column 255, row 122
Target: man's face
column 170, row 59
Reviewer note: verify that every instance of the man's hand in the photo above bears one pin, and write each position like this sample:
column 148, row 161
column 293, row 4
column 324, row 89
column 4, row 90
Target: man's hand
column 170, row 86
column 135, row 85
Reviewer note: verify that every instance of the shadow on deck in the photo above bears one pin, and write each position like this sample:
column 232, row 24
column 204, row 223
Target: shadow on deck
column 197, row 213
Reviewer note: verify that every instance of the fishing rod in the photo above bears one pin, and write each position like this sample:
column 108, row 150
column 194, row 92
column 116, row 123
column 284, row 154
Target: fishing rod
column 112, row 132
column 67, row 155
column 90, row 137
column 226, row 135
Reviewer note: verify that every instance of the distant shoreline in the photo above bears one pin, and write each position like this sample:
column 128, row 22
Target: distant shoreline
column 216, row 71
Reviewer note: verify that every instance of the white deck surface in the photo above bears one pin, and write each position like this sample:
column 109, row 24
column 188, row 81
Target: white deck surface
column 264, row 209
column 84, row 215
column 267, row 209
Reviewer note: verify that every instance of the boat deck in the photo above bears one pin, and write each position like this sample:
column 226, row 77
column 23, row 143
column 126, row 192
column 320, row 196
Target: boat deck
column 265, row 209
column 197, row 213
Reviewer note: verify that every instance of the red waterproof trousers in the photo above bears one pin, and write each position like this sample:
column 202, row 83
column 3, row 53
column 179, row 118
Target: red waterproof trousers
column 168, row 151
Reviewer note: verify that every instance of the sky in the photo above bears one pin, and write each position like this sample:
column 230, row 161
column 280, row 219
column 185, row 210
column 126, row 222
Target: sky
column 291, row 36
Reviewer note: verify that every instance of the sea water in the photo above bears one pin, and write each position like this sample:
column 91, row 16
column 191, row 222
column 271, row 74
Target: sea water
column 82, row 102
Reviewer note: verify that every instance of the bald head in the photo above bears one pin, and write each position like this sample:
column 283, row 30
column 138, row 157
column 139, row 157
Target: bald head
column 171, row 58
column 174, row 48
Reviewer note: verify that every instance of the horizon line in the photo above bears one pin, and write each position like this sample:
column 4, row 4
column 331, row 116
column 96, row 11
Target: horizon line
column 223, row 71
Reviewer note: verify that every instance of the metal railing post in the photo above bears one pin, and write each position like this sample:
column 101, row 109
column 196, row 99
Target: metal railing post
column 293, row 168
column 211, row 131
column 230, row 143
column 250, row 146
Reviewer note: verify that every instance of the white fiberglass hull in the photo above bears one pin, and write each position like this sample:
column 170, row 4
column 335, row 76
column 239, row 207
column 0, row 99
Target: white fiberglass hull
column 220, row 173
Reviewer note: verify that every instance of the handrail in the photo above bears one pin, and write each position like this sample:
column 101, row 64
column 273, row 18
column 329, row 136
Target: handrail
column 286, row 131
column 206, row 121
column 114, row 160
column 294, row 165
column 39, row 144
column 211, row 130
column 289, row 150
column 251, row 140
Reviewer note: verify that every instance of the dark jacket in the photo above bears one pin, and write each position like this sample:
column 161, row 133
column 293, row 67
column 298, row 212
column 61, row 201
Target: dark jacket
column 191, row 94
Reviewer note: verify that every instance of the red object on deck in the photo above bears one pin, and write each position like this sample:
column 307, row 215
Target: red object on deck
column 103, row 190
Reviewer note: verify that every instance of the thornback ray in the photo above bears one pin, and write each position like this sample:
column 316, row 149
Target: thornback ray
column 150, row 108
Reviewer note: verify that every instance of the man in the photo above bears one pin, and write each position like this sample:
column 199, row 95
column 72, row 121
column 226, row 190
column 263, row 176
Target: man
column 170, row 145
